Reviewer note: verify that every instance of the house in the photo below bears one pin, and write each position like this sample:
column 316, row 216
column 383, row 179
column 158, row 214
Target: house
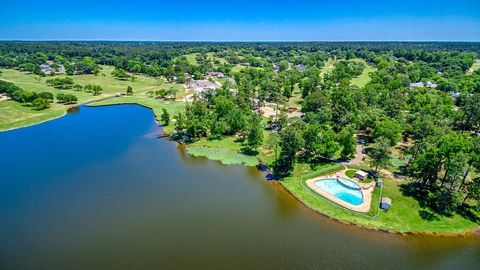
column 292, row 109
column 300, row 67
column 215, row 74
column 421, row 84
column 431, row 85
column 276, row 68
column 361, row 175
column 385, row 203
column 47, row 69
column 417, row 84
column 455, row 95
column 201, row 85
column 295, row 114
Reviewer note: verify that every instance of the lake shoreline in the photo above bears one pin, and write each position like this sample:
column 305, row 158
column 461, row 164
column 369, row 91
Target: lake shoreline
column 60, row 116
column 467, row 233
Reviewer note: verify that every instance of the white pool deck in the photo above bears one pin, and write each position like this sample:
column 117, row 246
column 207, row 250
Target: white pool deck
column 367, row 191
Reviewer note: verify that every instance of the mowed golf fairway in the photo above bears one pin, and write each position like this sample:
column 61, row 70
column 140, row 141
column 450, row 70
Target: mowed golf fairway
column 14, row 115
column 125, row 199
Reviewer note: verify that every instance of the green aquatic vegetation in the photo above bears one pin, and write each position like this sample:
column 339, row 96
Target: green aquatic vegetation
column 226, row 156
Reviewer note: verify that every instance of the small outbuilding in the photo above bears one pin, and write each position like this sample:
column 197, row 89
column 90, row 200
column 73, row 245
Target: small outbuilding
column 361, row 175
column 417, row 84
column 385, row 203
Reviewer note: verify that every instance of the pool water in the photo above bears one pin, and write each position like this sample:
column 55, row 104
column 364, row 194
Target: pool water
column 349, row 192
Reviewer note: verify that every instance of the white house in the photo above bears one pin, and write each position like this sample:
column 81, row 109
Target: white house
column 417, row 84
column 201, row 85
column 361, row 174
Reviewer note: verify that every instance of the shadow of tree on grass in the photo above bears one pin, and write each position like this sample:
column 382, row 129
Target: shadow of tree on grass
column 429, row 211
column 428, row 215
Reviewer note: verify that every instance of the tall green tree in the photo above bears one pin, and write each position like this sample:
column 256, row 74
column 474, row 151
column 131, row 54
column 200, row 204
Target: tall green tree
column 388, row 129
column 255, row 133
column 165, row 117
column 380, row 153
column 129, row 90
column 96, row 90
column 347, row 142
column 41, row 103
column 313, row 144
column 290, row 143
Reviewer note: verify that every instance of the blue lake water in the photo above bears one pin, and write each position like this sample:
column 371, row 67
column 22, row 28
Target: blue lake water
column 98, row 189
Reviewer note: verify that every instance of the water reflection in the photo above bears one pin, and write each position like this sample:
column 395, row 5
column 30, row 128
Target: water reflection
column 74, row 109
column 123, row 198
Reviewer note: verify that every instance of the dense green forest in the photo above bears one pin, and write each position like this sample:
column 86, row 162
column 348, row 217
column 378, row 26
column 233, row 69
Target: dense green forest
column 423, row 98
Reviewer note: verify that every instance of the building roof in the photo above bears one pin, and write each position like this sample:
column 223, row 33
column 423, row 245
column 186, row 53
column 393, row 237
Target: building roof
column 431, row 85
column 300, row 67
column 201, row 85
column 417, row 84
column 362, row 173
column 215, row 73
column 455, row 95
column 386, row 200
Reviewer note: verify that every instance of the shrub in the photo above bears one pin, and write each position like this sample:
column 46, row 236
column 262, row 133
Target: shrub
column 46, row 95
column 61, row 83
column 66, row 98
column 41, row 103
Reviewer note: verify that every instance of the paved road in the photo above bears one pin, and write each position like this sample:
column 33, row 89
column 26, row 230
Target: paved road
column 358, row 155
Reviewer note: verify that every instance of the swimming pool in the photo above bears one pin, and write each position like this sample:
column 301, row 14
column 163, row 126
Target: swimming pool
column 344, row 189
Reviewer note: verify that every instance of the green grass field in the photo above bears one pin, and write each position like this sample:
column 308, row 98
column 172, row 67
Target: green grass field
column 15, row 115
column 328, row 67
column 404, row 216
column 226, row 156
column 173, row 107
column 476, row 65
column 191, row 58
column 364, row 78
column 359, row 81
column 226, row 150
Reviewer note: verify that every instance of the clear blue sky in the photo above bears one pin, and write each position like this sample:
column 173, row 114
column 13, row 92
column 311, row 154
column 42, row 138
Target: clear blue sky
column 246, row 20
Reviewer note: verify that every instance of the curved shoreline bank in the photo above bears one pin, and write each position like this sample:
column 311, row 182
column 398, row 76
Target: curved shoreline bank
column 60, row 116
column 469, row 232
column 466, row 233
column 34, row 124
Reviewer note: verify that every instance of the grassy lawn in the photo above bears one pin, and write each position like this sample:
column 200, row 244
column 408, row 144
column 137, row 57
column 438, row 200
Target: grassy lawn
column 221, row 60
column 173, row 107
column 364, row 78
column 350, row 173
column 226, row 156
column 239, row 67
column 14, row 115
column 226, row 150
column 359, row 81
column 156, row 105
column 296, row 99
column 476, row 65
column 404, row 216
column 328, row 67
column 191, row 58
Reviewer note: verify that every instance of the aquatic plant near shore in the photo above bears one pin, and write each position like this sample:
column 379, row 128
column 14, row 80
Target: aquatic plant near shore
column 225, row 156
